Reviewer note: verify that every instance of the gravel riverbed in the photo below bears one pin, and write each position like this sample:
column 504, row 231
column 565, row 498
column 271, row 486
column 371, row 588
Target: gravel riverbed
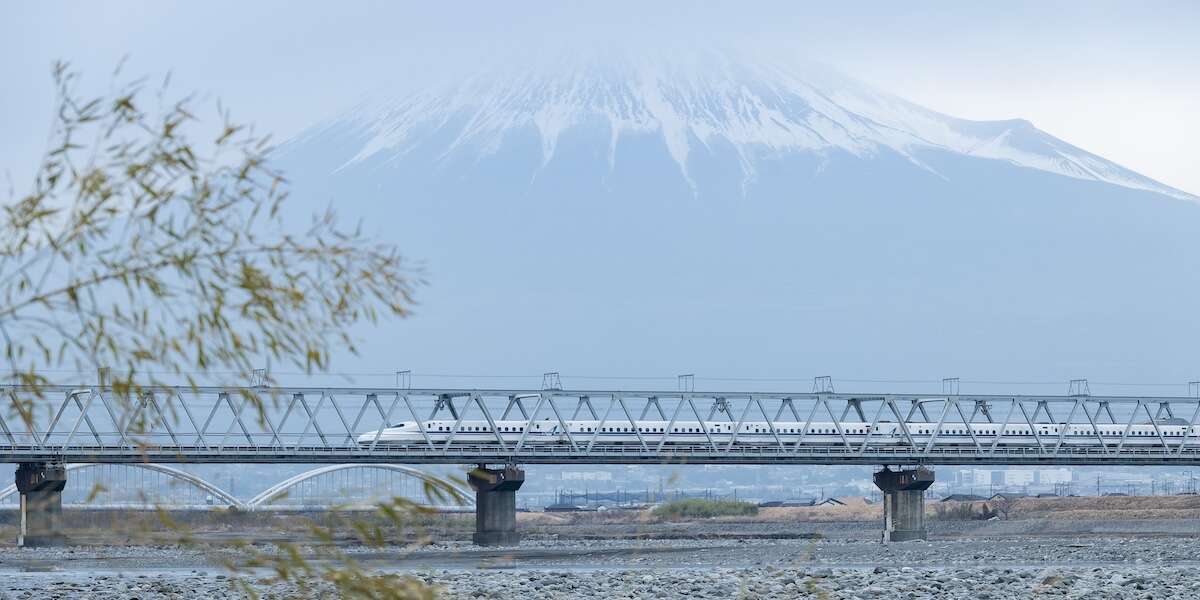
column 825, row 583
column 1068, row 567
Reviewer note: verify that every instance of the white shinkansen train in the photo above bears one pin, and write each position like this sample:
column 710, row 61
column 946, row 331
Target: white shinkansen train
column 1172, row 431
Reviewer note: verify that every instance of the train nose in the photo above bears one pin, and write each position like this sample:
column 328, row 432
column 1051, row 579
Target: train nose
column 368, row 437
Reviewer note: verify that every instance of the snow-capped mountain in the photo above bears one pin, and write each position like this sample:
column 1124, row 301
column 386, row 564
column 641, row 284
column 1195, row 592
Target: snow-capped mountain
column 760, row 110
column 637, row 215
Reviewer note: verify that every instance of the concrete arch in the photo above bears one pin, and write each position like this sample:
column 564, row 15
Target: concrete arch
column 171, row 471
column 276, row 490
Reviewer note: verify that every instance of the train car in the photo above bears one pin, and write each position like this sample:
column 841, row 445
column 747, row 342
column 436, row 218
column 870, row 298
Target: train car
column 1171, row 432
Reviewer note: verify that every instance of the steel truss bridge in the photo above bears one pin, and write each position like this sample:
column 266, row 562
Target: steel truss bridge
column 92, row 424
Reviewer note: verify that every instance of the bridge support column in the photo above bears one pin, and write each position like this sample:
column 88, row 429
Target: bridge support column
column 496, row 505
column 41, row 486
column 904, row 502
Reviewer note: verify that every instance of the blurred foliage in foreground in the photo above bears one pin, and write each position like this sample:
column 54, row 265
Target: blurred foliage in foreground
column 155, row 248
column 157, row 245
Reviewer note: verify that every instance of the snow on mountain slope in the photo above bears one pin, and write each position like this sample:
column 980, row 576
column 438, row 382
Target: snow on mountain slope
column 549, row 206
column 762, row 110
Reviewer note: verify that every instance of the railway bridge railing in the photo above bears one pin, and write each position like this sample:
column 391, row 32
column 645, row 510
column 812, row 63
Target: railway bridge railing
column 92, row 424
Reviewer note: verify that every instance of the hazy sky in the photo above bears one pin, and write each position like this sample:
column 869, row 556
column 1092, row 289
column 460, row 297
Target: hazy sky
column 1121, row 80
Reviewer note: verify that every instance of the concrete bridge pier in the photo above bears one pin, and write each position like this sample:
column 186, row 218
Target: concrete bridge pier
column 904, row 502
column 496, row 505
column 41, row 486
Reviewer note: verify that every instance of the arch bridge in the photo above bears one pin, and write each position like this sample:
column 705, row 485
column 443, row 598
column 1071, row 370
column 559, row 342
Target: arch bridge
column 263, row 500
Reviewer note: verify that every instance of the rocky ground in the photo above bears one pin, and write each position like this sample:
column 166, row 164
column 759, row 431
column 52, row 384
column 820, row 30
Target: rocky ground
column 795, row 582
column 851, row 566
column 880, row 582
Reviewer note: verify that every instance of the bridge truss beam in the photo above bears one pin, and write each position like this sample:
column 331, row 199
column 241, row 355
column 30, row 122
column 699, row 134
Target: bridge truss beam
column 323, row 425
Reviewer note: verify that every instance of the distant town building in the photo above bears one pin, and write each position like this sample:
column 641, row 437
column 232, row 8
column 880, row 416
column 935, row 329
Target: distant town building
column 1019, row 477
column 1053, row 476
column 586, row 476
column 963, row 498
column 1007, row 496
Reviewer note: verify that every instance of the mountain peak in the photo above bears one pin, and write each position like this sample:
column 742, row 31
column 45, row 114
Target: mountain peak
column 761, row 109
